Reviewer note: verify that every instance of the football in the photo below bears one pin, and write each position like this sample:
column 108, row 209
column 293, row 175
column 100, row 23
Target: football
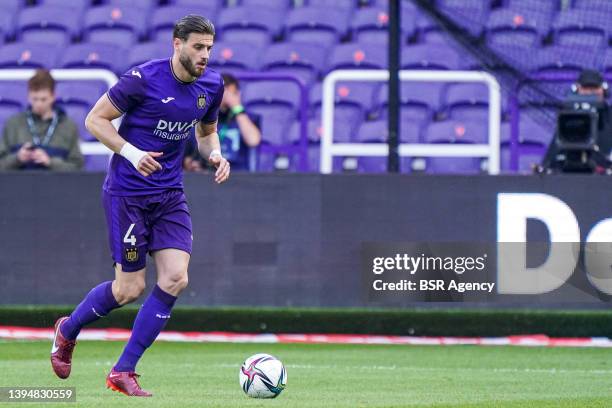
column 262, row 376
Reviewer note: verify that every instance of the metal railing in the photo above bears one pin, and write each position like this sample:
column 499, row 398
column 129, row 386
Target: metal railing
column 329, row 149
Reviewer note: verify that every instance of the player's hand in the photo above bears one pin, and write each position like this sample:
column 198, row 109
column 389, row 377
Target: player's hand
column 24, row 154
column 148, row 164
column 222, row 166
column 39, row 156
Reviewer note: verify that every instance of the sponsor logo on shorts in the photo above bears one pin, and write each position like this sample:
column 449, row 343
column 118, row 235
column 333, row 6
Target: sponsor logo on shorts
column 131, row 254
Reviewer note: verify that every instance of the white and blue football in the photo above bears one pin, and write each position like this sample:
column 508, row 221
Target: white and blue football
column 262, row 376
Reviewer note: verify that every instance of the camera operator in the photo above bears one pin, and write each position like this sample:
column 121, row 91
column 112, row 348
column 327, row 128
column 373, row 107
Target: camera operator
column 583, row 138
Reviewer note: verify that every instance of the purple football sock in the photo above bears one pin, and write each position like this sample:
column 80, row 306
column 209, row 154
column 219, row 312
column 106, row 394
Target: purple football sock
column 150, row 320
column 98, row 303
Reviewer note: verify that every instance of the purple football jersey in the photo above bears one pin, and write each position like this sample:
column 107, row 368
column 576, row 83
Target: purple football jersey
column 160, row 112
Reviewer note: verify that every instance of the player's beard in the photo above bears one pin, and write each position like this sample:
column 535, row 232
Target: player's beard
column 190, row 66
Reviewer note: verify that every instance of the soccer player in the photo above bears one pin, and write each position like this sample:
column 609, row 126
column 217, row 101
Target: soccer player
column 146, row 210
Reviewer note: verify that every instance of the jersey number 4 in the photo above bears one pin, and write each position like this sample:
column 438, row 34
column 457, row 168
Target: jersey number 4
column 130, row 239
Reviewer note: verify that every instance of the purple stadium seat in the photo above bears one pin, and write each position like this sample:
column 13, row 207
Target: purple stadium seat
column 346, row 5
column 525, row 160
column 248, row 36
column 117, row 25
column 544, row 7
column 353, row 100
column 512, row 27
column 144, row 52
column 504, row 137
column 12, row 5
column 429, row 56
column 370, row 25
column 319, row 25
column 47, row 24
column 227, row 55
column 607, row 62
column 274, row 122
column 28, row 55
column 207, row 3
column 273, row 4
column 465, row 4
column 534, row 132
column 92, row 55
column 252, row 25
column 6, row 24
column 14, row 93
column 407, row 6
column 314, row 155
column 453, row 165
column 466, row 101
column 465, row 11
column 374, row 164
column 77, row 98
column 77, row 6
column 455, row 131
column 276, row 103
column 301, row 59
column 428, row 30
column 342, row 131
column 78, row 112
column 419, row 101
column 597, row 5
column 358, row 56
column 164, row 18
column 272, row 93
column 84, row 93
column 562, row 59
column 144, row 5
column 582, row 28
column 377, row 132
column 527, row 97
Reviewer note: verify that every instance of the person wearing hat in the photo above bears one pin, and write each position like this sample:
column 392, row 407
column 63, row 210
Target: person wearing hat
column 590, row 83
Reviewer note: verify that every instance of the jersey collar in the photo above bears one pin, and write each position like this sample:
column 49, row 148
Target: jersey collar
column 176, row 76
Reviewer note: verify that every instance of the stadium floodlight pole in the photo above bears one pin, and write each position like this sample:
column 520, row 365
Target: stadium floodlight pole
column 394, row 88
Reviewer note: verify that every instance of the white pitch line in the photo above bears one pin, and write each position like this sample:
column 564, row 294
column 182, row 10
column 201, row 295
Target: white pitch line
column 413, row 368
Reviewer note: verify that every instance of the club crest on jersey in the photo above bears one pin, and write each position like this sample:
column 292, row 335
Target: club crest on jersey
column 131, row 254
column 201, row 101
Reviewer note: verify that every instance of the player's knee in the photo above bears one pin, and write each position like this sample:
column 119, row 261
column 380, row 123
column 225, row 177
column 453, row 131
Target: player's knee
column 129, row 292
column 174, row 283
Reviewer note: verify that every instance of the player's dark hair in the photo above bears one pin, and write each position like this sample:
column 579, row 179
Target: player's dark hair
column 229, row 79
column 192, row 23
column 42, row 79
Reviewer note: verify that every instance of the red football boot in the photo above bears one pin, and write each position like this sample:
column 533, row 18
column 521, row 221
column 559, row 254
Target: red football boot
column 61, row 351
column 126, row 383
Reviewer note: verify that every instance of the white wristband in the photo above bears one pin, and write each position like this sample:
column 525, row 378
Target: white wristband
column 215, row 152
column 132, row 153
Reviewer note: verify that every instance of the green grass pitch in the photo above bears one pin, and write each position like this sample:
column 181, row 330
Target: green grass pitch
column 206, row 375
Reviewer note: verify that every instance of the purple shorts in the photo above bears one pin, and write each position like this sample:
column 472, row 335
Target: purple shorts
column 141, row 224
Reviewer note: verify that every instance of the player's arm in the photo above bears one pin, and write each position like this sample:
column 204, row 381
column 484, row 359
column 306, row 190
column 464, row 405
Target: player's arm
column 209, row 146
column 98, row 123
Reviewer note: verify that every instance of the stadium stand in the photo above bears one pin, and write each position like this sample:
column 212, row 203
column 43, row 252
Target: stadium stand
column 310, row 38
